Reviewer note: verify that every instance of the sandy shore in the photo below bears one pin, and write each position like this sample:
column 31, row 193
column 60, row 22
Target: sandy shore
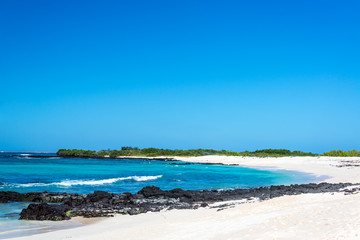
column 339, row 169
column 311, row 216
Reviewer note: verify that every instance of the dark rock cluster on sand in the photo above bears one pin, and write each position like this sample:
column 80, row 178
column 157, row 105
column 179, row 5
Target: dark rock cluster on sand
column 148, row 199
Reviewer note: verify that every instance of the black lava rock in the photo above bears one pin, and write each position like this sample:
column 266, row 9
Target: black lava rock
column 44, row 211
column 9, row 196
column 151, row 191
column 149, row 199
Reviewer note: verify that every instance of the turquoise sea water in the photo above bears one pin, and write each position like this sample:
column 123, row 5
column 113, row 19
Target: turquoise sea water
column 53, row 174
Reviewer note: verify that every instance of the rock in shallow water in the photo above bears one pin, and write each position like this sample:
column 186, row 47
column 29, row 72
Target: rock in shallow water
column 44, row 211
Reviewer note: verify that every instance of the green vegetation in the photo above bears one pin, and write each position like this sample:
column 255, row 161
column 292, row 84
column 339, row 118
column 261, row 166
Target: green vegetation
column 341, row 153
column 77, row 153
column 154, row 152
column 277, row 153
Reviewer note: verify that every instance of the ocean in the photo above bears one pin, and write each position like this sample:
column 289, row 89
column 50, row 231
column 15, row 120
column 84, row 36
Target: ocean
column 22, row 173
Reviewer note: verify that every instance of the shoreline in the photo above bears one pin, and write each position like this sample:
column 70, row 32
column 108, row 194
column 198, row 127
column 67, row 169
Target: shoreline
column 283, row 221
column 338, row 169
column 291, row 163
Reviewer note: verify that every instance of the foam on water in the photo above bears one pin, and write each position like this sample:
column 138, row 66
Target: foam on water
column 92, row 182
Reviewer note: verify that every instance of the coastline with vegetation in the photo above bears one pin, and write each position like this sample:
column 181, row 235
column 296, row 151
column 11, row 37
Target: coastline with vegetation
column 157, row 152
column 277, row 216
column 337, row 187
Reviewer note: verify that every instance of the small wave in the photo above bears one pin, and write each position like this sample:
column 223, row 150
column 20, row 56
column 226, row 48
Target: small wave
column 176, row 180
column 69, row 183
column 145, row 178
column 24, row 154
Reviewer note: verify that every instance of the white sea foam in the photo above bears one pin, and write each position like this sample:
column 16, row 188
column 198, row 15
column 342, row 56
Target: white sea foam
column 145, row 178
column 69, row 183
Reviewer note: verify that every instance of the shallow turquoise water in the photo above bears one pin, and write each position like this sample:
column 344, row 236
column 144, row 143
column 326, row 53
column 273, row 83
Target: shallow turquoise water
column 24, row 174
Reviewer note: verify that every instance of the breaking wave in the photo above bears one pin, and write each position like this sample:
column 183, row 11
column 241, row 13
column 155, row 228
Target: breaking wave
column 93, row 182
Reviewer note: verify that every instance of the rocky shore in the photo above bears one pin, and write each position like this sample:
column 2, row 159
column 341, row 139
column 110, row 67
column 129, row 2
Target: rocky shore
column 63, row 206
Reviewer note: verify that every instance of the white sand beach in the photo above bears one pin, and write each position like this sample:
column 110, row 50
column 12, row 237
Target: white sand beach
column 306, row 216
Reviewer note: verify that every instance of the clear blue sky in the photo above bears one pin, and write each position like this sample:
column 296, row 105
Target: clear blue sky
column 236, row 75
